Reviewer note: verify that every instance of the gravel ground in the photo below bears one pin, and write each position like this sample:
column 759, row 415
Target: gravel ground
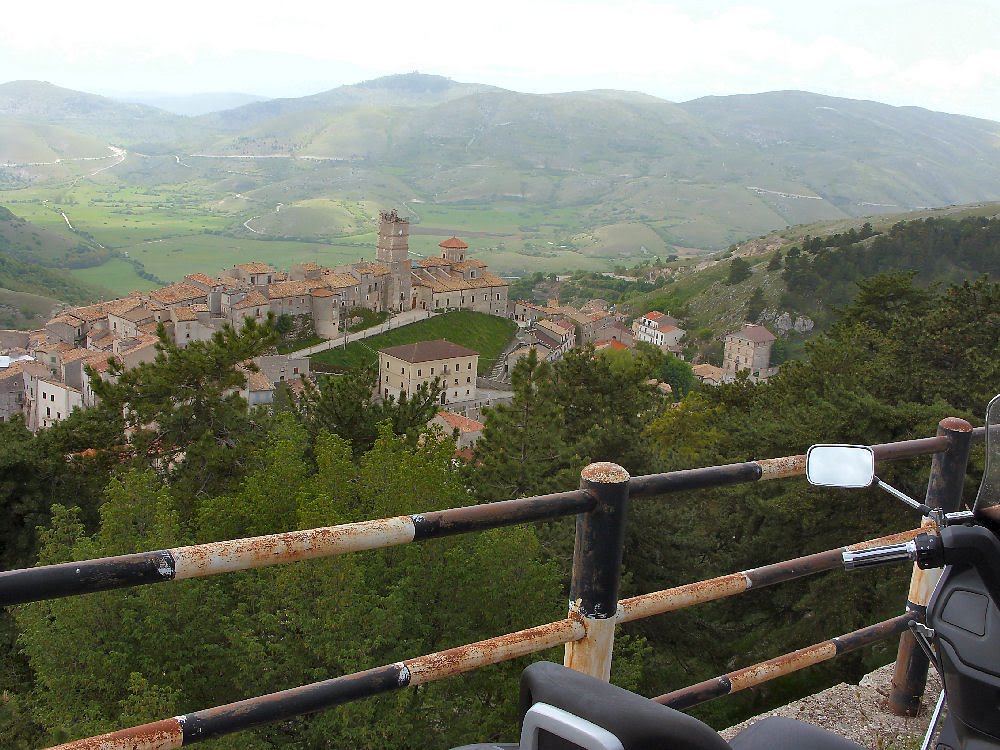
column 858, row 712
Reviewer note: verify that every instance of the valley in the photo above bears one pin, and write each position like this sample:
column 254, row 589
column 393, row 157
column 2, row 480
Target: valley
column 584, row 181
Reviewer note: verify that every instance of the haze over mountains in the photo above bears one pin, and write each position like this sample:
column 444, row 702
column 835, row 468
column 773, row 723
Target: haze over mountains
column 702, row 173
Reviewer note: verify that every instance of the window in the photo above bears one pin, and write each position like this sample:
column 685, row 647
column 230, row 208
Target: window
column 295, row 370
column 48, row 411
column 387, row 365
column 402, row 370
column 419, row 373
column 52, row 397
column 470, row 366
column 432, row 371
column 468, row 379
column 456, row 381
column 58, row 415
column 466, row 391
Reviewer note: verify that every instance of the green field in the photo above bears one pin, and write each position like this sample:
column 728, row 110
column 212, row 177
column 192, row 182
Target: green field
column 486, row 334
column 117, row 276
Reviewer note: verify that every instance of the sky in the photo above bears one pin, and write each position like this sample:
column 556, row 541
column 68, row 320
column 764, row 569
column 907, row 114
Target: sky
column 939, row 55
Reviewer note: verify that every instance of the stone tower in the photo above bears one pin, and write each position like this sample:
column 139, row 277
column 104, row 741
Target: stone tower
column 393, row 249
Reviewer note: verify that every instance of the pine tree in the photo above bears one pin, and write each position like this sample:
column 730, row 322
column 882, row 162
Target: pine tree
column 522, row 451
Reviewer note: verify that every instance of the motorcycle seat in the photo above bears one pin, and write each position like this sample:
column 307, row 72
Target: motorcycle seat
column 562, row 709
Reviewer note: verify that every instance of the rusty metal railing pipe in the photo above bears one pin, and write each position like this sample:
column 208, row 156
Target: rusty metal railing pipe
column 748, row 677
column 773, row 468
column 86, row 576
column 944, row 490
column 199, row 560
column 680, row 597
column 188, row 729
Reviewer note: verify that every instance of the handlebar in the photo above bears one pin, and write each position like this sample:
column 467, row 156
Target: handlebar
column 885, row 555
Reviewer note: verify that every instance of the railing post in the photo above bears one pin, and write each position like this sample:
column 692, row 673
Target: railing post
column 597, row 562
column 944, row 490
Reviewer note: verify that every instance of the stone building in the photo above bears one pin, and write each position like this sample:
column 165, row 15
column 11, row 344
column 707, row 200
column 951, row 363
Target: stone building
column 748, row 349
column 402, row 369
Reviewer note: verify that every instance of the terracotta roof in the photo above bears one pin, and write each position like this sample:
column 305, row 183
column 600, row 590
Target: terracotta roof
column 310, row 266
column 565, row 325
column 180, row 292
column 257, row 381
column 668, row 329
column 339, row 280
column 254, row 267
column 76, row 354
column 321, row 293
column 756, row 334
column 230, row 281
column 376, row 269
column 552, row 327
column 706, row 371
column 255, row 298
column 429, row 262
column 453, row 242
column 21, row 366
column 100, row 363
column 67, row 318
column 654, row 315
column 613, row 344
column 135, row 344
column 291, row 289
column 202, row 278
column 102, row 309
column 545, row 340
column 462, row 424
column 442, row 281
column 470, row 263
column 54, row 346
column 425, row 351
column 184, row 313
column 136, row 315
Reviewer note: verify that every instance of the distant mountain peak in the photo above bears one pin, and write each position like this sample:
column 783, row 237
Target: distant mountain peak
column 411, row 82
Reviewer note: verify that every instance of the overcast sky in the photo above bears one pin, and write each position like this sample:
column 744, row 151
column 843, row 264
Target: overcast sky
column 939, row 55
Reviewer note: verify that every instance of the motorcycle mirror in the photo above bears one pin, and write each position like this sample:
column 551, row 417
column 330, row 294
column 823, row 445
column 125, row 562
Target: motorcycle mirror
column 988, row 498
column 845, row 466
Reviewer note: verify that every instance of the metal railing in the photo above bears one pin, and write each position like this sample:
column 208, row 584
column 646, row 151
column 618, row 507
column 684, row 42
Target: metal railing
column 588, row 631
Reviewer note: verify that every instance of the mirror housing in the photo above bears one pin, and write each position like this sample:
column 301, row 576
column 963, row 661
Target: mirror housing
column 848, row 466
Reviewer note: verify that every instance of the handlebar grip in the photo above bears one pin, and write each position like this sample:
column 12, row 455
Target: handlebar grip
column 869, row 558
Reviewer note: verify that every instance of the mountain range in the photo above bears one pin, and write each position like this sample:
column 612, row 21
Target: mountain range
column 703, row 173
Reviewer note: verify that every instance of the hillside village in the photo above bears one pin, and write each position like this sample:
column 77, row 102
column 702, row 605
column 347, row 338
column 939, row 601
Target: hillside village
column 45, row 374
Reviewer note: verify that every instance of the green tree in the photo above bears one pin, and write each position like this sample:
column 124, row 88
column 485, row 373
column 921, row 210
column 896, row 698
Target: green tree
column 183, row 412
column 678, row 374
column 523, row 450
column 347, row 405
column 739, row 270
column 755, row 305
column 775, row 263
column 606, row 402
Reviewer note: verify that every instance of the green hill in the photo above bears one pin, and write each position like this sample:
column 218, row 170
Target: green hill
column 579, row 180
column 32, row 259
column 121, row 123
